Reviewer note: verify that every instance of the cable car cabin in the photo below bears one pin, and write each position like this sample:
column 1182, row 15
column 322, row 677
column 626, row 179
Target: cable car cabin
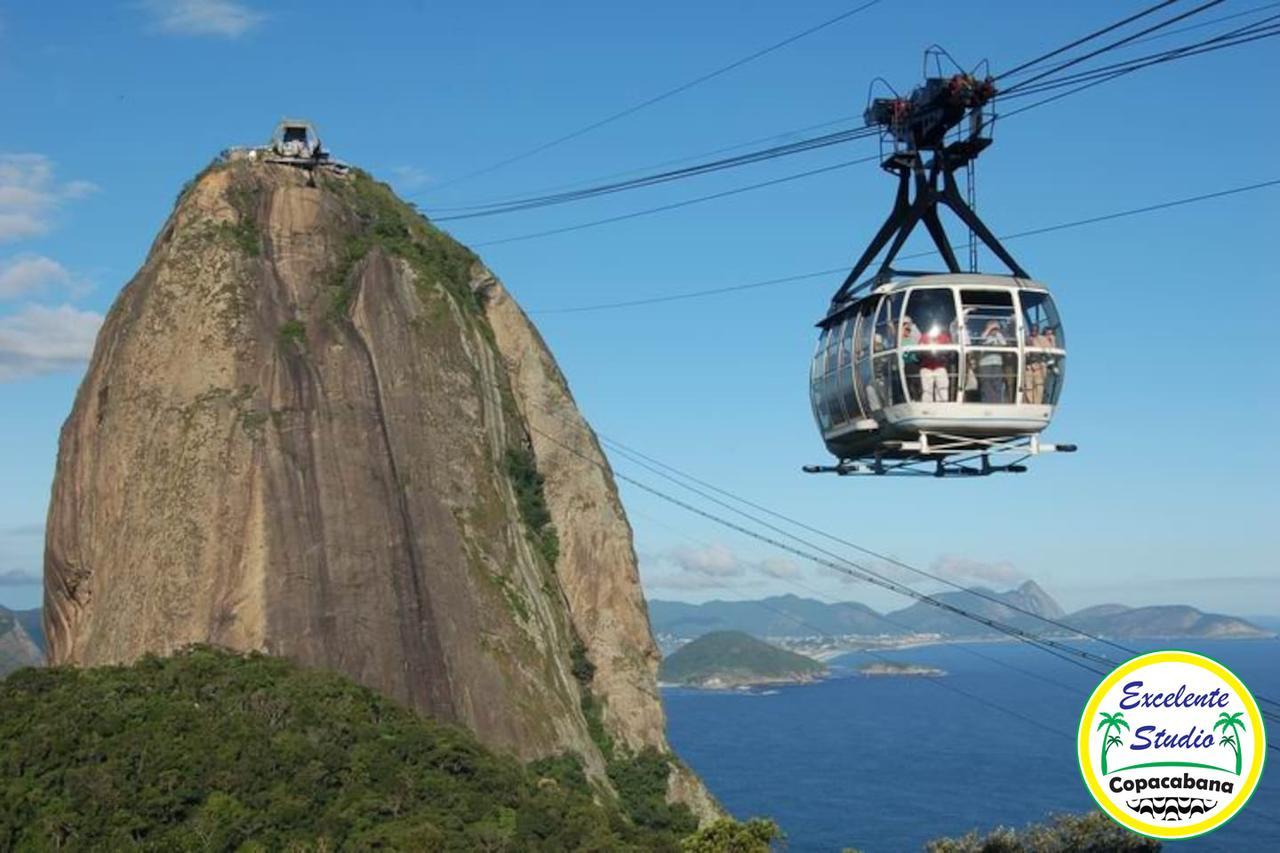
column 941, row 369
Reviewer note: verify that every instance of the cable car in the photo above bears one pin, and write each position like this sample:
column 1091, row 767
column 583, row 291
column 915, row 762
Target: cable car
column 941, row 373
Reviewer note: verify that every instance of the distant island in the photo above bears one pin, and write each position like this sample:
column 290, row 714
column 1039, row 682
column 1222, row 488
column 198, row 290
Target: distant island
column 899, row 668
column 727, row 659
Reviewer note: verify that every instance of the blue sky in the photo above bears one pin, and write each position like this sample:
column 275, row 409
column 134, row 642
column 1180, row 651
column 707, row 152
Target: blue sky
column 1171, row 317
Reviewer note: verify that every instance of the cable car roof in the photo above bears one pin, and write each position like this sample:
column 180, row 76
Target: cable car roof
column 902, row 280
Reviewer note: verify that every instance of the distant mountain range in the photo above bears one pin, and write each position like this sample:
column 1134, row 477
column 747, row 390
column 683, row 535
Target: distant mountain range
column 21, row 639
column 793, row 616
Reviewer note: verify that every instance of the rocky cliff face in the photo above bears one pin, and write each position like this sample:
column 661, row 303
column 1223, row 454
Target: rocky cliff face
column 315, row 426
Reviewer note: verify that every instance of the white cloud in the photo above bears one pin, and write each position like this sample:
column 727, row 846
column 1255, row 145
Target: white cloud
column 20, row 226
column 17, row 577
column 689, row 582
column 223, row 18
column 38, row 340
column 708, row 560
column 78, row 189
column 965, row 570
column 411, row 177
column 31, row 274
column 712, row 566
column 779, row 567
column 30, row 196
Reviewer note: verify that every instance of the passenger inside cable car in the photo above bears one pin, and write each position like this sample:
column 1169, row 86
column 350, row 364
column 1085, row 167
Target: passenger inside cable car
column 933, row 357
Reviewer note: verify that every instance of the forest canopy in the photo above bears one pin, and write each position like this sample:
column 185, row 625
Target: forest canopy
column 215, row 751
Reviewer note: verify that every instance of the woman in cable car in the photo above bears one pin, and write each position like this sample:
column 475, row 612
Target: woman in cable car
column 924, row 367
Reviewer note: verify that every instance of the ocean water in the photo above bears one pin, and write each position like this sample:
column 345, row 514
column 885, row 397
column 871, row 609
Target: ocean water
column 885, row 764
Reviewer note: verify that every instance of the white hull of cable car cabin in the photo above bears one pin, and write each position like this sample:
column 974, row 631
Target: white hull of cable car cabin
column 907, row 421
column 960, row 356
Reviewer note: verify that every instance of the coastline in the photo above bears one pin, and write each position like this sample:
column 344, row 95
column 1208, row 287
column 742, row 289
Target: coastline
column 720, row 684
column 827, row 655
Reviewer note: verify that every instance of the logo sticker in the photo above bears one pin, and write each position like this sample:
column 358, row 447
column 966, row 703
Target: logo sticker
column 1171, row 744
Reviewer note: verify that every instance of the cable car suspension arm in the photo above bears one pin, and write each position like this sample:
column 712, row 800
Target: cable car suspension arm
column 917, row 126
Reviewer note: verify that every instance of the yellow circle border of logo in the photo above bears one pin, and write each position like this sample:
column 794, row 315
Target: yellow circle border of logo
column 1192, row 659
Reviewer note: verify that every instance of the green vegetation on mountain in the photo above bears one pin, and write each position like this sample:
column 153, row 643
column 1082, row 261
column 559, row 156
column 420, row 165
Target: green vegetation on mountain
column 641, row 777
column 522, row 469
column 730, row 836
column 208, row 750
column 390, row 224
column 729, row 658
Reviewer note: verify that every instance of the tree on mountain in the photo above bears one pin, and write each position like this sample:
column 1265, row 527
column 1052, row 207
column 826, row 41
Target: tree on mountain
column 729, row 836
column 1092, row 832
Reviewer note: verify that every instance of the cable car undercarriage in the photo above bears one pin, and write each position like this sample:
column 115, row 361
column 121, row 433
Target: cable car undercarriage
column 936, row 374
column 940, row 455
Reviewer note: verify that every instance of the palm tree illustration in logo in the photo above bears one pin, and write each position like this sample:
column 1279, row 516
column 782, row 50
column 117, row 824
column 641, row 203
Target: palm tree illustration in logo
column 1112, row 723
column 1228, row 723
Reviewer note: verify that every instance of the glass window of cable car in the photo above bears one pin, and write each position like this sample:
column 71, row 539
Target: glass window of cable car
column 847, row 394
column 831, row 403
column 888, row 380
column 1042, row 377
column 887, row 375
column 887, row 322
column 832, row 349
column 930, row 356
column 862, row 357
column 932, row 311
column 846, row 341
column 989, row 331
column 991, row 376
column 1055, row 373
column 988, row 318
column 848, row 400
column 831, row 392
column 817, row 374
column 816, row 365
column 1040, row 324
column 826, row 380
column 1042, row 333
column 839, row 374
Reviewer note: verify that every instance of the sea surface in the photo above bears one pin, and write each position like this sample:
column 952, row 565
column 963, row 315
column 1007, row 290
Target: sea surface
column 887, row 763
